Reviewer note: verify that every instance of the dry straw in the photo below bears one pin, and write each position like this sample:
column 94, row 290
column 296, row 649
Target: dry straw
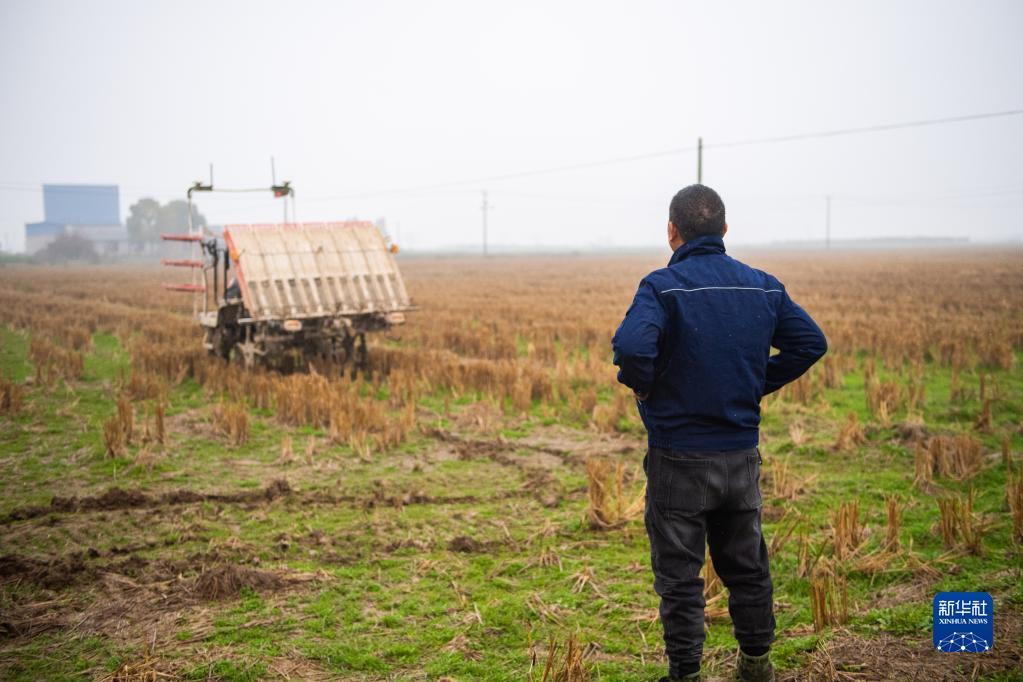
column 782, row 484
column 714, row 594
column 119, row 429
column 847, row 533
column 829, row 599
column 562, row 663
column 609, row 506
column 113, row 436
column 803, row 554
column 780, row 481
column 786, row 527
column 287, row 453
column 958, row 457
column 894, row 522
column 11, row 397
column 54, row 362
column 1014, row 496
column 232, row 419
column 983, row 421
column 851, row 434
column 883, row 398
column 798, row 434
column 126, row 416
column 145, row 670
column 960, row 528
column 159, row 414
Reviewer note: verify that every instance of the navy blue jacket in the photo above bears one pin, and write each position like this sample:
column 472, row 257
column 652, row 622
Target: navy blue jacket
column 697, row 342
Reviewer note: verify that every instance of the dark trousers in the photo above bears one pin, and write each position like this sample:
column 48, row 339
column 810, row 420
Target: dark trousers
column 695, row 498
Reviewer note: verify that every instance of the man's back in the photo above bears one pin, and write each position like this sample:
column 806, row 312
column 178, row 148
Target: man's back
column 695, row 347
column 696, row 343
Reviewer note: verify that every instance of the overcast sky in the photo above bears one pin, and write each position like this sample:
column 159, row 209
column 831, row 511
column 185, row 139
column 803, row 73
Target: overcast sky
column 355, row 97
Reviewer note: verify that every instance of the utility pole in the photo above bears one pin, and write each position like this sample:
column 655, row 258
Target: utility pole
column 699, row 160
column 485, row 208
column 827, row 222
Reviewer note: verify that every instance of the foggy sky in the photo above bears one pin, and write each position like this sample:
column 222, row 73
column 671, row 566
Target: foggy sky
column 353, row 98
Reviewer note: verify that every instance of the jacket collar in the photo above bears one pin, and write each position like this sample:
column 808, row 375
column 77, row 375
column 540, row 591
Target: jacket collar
column 704, row 244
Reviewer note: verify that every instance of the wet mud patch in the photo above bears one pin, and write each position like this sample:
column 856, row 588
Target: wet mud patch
column 466, row 544
column 52, row 574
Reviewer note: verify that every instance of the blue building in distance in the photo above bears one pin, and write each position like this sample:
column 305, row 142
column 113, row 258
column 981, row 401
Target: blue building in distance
column 92, row 211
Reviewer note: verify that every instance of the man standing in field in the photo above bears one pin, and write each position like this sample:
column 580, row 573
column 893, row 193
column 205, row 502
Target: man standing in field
column 695, row 348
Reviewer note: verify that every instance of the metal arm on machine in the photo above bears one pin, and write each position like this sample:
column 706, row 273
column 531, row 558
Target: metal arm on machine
column 206, row 255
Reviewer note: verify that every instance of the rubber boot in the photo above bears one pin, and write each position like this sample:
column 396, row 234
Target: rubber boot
column 754, row 668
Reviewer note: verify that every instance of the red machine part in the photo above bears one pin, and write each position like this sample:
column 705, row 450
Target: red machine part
column 189, row 288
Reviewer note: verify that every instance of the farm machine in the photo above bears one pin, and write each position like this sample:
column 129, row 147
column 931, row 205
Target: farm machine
column 270, row 294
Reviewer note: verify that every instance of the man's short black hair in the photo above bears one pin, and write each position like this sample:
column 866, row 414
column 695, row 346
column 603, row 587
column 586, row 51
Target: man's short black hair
column 697, row 210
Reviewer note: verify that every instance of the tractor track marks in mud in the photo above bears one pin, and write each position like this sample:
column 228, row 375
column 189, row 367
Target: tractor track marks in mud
column 536, row 467
column 116, row 499
column 498, row 450
column 546, row 451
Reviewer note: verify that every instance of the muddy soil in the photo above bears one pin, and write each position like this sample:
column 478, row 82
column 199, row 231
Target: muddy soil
column 119, row 498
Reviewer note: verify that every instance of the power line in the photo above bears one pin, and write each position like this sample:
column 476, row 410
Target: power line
column 866, row 129
column 36, row 187
column 674, row 151
column 506, row 176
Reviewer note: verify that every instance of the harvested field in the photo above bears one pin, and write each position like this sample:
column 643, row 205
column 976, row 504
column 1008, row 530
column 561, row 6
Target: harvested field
column 466, row 509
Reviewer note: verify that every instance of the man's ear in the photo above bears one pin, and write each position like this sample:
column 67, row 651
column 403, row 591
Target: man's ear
column 673, row 234
column 724, row 231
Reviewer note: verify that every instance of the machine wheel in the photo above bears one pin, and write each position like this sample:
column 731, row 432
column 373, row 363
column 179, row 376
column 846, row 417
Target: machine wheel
column 222, row 341
column 346, row 352
column 357, row 355
column 247, row 354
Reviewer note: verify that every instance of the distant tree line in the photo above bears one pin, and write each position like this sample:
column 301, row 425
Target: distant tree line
column 147, row 218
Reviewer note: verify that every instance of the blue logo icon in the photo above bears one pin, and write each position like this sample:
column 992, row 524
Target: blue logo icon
column 963, row 622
